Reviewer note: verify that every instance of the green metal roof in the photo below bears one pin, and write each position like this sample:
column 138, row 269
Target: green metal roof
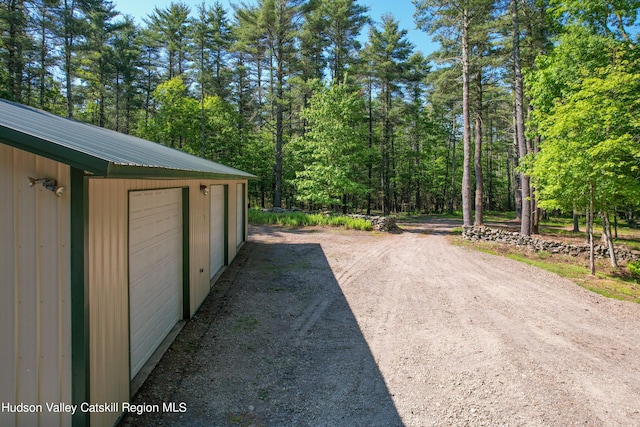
column 99, row 151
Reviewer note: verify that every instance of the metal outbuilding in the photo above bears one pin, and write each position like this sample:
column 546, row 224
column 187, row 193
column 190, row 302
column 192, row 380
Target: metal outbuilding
column 108, row 242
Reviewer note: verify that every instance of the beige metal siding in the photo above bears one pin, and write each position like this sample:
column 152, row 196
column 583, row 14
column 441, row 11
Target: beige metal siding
column 108, row 282
column 35, row 318
column 108, row 300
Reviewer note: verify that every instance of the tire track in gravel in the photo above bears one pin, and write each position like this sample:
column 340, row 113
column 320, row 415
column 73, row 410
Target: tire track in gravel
column 316, row 308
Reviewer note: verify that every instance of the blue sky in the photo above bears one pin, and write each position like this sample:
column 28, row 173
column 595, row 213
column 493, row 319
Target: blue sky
column 402, row 10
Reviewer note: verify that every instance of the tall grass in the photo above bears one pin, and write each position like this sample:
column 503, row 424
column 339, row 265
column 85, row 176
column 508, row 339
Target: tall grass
column 300, row 219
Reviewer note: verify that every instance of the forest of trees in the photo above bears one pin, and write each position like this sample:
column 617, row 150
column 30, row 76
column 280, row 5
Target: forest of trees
column 527, row 104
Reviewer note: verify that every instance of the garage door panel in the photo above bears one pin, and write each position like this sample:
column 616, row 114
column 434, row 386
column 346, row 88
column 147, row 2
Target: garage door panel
column 155, row 269
column 217, row 241
column 239, row 213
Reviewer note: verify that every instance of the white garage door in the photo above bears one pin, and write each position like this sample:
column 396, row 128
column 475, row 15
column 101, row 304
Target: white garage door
column 239, row 213
column 155, row 270
column 217, row 229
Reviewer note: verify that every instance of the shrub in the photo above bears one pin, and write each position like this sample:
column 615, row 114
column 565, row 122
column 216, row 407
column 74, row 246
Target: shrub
column 299, row 219
column 634, row 268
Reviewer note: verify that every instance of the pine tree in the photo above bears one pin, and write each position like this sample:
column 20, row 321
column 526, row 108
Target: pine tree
column 388, row 53
column 170, row 28
column 15, row 41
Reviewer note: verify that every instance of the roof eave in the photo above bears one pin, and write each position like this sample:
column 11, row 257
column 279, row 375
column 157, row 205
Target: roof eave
column 154, row 172
column 100, row 167
column 61, row 154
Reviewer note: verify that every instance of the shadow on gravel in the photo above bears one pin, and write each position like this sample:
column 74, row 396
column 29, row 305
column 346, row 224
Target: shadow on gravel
column 275, row 344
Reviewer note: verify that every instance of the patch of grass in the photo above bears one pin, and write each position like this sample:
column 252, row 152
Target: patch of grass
column 634, row 269
column 570, row 271
column 248, row 323
column 560, row 231
column 610, row 282
column 500, row 216
column 634, row 245
column 486, row 247
column 301, row 219
column 263, row 394
column 244, row 420
column 456, row 230
column 560, row 221
column 543, row 254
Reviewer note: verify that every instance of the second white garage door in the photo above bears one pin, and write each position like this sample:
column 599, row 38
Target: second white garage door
column 155, row 270
column 239, row 213
column 217, row 241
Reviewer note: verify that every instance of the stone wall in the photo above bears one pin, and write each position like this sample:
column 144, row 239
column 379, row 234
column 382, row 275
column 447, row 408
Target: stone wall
column 537, row 244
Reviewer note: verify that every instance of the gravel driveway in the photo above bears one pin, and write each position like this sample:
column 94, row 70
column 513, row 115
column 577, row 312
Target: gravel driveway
column 327, row 327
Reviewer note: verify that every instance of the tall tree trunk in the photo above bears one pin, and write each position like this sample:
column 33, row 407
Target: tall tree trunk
column 466, row 131
column 43, row 56
column 418, row 165
column 370, row 161
column 491, row 199
column 202, row 117
column 525, row 223
column 606, row 232
column 510, row 182
column 592, row 261
column 101, row 111
column 477, row 159
column 452, row 194
column 517, row 195
column 392, row 173
column 535, row 210
column 69, row 33
column 14, row 46
column 384, row 151
column 277, row 194
column 587, row 220
column 117, row 99
column 576, row 227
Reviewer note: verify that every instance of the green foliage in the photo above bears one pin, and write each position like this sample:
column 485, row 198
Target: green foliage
column 176, row 119
column 178, row 122
column 332, row 148
column 300, row 219
column 634, row 268
column 590, row 122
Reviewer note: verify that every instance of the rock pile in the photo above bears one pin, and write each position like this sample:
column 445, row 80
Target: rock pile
column 537, row 244
column 379, row 223
column 280, row 210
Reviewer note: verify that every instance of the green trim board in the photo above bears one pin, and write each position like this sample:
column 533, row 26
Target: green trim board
column 99, row 151
column 80, row 367
column 186, row 259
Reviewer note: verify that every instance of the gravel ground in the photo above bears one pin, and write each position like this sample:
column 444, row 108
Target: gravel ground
column 327, row 327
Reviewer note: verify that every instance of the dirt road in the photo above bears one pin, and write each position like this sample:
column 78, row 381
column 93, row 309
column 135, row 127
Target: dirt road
column 326, row 327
